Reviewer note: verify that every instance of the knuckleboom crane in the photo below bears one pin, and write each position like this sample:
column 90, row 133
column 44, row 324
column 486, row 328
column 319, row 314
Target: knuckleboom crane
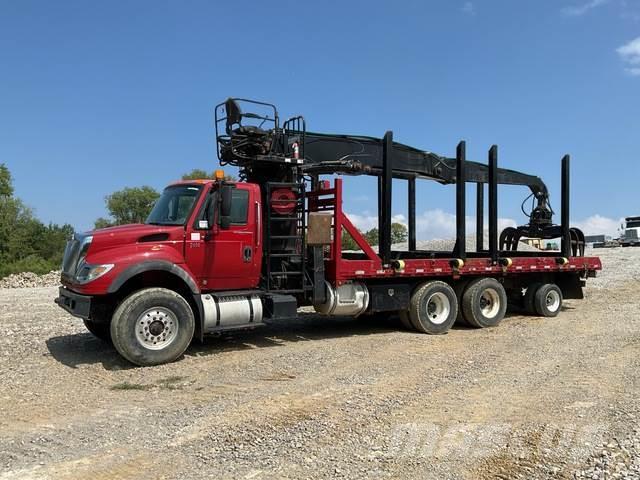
column 290, row 153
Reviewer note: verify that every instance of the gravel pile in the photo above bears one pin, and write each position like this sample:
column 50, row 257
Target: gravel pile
column 619, row 265
column 616, row 459
column 31, row 280
column 447, row 244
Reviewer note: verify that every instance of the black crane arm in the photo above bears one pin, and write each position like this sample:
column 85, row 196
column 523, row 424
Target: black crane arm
column 351, row 154
column 269, row 152
column 266, row 154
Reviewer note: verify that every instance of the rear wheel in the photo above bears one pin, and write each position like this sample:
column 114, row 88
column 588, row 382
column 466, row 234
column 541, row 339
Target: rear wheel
column 548, row 300
column 529, row 298
column 484, row 303
column 101, row 330
column 459, row 289
column 433, row 308
column 405, row 320
column 152, row 326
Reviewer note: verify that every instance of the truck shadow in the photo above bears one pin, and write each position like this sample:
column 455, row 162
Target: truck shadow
column 307, row 327
column 84, row 349
column 79, row 349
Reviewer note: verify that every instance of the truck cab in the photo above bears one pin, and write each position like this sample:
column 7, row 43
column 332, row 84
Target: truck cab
column 201, row 236
column 630, row 232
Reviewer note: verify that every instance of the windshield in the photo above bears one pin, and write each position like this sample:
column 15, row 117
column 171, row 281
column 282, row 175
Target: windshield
column 633, row 224
column 174, row 205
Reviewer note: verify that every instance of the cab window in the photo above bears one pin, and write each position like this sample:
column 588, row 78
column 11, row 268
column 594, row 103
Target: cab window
column 239, row 206
column 174, row 205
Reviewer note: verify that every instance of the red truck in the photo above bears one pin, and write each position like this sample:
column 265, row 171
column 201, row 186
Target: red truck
column 216, row 255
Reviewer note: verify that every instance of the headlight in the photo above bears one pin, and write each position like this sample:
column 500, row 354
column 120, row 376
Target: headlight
column 89, row 273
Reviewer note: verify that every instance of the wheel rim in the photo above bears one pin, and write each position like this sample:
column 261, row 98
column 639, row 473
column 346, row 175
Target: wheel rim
column 489, row 303
column 553, row 301
column 156, row 328
column 438, row 308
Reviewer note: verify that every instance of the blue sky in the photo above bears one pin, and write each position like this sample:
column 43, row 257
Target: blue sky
column 96, row 96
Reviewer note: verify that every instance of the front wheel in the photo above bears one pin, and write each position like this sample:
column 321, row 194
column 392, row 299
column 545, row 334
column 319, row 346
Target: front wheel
column 100, row 330
column 152, row 326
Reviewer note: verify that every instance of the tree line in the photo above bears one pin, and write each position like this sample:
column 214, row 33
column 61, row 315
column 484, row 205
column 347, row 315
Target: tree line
column 398, row 235
column 133, row 204
column 27, row 244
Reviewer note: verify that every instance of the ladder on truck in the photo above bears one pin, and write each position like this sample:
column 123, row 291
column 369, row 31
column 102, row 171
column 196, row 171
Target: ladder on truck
column 285, row 244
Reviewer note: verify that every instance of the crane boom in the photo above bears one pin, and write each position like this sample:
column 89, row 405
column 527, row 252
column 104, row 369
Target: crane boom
column 335, row 153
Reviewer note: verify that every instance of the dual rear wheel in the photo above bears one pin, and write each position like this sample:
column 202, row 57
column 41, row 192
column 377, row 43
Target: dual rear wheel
column 482, row 303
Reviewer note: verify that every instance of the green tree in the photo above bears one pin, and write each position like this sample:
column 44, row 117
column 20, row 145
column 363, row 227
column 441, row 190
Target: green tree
column 102, row 223
column 131, row 204
column 398, row 233
column 15, row 220
column 26, row 244
column 53, row 240
column 6, row 187
column 372, row 237
column 348, row 243
column 198, row 174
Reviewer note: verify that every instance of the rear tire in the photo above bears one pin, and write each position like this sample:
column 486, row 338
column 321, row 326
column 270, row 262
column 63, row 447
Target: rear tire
column 433, row 308
column 529, row 298
column 548, row 300
column 484, row 303
column 152, row 326
column 405, row 320
column 459, row 289
column 100, row 330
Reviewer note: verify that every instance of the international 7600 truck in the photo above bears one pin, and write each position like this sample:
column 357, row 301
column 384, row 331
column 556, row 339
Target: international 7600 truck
column 216, row 255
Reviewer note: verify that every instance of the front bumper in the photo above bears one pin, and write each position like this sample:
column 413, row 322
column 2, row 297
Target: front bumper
column 74, row 303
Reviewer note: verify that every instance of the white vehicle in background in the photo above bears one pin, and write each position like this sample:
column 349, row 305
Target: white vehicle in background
column 630, row 232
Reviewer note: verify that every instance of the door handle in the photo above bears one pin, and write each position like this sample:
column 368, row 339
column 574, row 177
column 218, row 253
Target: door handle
column 247, row 253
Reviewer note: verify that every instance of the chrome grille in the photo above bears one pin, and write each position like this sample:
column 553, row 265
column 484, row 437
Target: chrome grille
column 72, row 254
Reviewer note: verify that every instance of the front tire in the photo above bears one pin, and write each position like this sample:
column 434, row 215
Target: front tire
column 100, row 330
column 152, row 326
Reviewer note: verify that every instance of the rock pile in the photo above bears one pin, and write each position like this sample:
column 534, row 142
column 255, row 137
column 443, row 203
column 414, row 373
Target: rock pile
column 616, row 459
column 31, row 280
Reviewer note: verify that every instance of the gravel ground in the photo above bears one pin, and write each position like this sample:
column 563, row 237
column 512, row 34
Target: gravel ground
column 331, row 398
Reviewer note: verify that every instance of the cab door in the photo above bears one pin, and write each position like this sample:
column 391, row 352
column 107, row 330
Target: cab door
column 231, row 258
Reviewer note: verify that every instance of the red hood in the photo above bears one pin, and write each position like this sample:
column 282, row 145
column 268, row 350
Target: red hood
column 110, row 237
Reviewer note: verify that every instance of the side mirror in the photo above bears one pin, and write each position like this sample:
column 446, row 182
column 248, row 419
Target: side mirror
column 226, row 192
column 226, row 196
column 203, row 224
column 225, row 222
